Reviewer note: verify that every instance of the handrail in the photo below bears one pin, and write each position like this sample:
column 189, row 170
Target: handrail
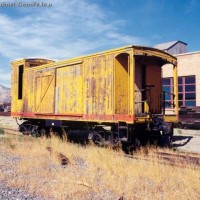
column 142, row 90
column 169, row 93
column 147, row 101
column 164, row 102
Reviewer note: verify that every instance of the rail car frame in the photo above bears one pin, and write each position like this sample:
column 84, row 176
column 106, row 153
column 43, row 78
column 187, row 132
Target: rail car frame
column 120, row 88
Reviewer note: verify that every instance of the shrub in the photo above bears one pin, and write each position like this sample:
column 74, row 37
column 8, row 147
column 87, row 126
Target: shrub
column 1, row 131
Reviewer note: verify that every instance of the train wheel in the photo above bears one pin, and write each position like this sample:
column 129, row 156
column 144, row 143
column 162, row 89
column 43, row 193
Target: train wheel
column 167, row 135
column 155, row 137
column 125, row 147
column 97, row 139
column 166, row 140
column 131, row 148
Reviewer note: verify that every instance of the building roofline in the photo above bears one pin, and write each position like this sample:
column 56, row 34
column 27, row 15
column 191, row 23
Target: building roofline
column 188, row 53
column 182, row 42
column 175, row 44
column 168, row 45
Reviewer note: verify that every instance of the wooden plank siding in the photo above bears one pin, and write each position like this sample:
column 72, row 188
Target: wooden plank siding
column 98, row 88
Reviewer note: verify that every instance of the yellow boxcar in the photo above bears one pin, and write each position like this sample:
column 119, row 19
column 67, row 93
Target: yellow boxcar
column 121, row 87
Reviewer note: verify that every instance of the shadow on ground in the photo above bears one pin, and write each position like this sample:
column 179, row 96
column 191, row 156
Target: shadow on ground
column 179, row 141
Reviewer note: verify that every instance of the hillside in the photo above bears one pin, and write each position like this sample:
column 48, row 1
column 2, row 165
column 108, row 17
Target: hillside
column 5, row 96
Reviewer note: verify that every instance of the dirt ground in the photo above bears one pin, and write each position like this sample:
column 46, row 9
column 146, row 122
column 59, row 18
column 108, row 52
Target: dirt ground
column 187, row 140
column 9, row 122
column 183, row 140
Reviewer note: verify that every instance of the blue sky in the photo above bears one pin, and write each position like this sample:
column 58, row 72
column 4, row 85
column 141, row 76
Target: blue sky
column 75, row 27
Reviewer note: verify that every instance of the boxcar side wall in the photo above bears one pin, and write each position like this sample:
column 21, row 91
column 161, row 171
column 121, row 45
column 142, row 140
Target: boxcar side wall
column 23, row 86
column 95, row 88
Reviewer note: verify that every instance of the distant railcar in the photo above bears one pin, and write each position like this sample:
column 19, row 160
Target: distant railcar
column 120, row 88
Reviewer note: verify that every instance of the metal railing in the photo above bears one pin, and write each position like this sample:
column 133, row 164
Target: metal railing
column 146, row 99
column 146, row 102
column 169, row 102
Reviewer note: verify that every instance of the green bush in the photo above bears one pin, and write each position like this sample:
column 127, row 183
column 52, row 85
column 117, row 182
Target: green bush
column 1, row 131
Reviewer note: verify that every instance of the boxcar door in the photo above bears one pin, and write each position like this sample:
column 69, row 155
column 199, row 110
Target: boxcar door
column 153, row 82
column 45, row 91
column 69, row 90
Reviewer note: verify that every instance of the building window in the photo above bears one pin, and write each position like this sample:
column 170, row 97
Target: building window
column 168, row 91
column 186, row 91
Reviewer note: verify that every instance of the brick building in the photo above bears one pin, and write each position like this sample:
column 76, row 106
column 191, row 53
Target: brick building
column 188, row 72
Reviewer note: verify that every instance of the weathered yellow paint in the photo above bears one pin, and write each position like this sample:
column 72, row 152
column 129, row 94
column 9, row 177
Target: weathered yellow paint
column 44, row 94
column 28, row 91
column 99, row 85
column 171, row 118
column 131, row 83
column 146, row 107
column 14, row 89
column 26, row 104
column 175, row 75
column 69, row 90
column 121, row 83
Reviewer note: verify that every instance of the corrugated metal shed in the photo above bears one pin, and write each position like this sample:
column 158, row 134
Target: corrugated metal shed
column 174, row 47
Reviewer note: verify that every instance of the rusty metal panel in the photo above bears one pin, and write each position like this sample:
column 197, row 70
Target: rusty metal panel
column 69, row 90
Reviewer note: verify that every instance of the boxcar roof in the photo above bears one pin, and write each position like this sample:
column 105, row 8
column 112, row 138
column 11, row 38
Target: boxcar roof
column 33, row 59
column 137, row 50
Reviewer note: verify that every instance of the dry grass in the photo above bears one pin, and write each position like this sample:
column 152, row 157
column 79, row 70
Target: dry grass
column 95, row 173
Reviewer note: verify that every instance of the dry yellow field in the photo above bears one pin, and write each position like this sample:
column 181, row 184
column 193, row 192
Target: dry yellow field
column 91, row 172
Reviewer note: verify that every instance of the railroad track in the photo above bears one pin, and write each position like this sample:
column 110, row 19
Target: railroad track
column 179, row 159
column 4, row 113
column 183, row 159
column 11, row 131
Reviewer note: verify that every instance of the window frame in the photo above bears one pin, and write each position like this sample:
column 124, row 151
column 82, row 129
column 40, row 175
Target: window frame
column 183, row 85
